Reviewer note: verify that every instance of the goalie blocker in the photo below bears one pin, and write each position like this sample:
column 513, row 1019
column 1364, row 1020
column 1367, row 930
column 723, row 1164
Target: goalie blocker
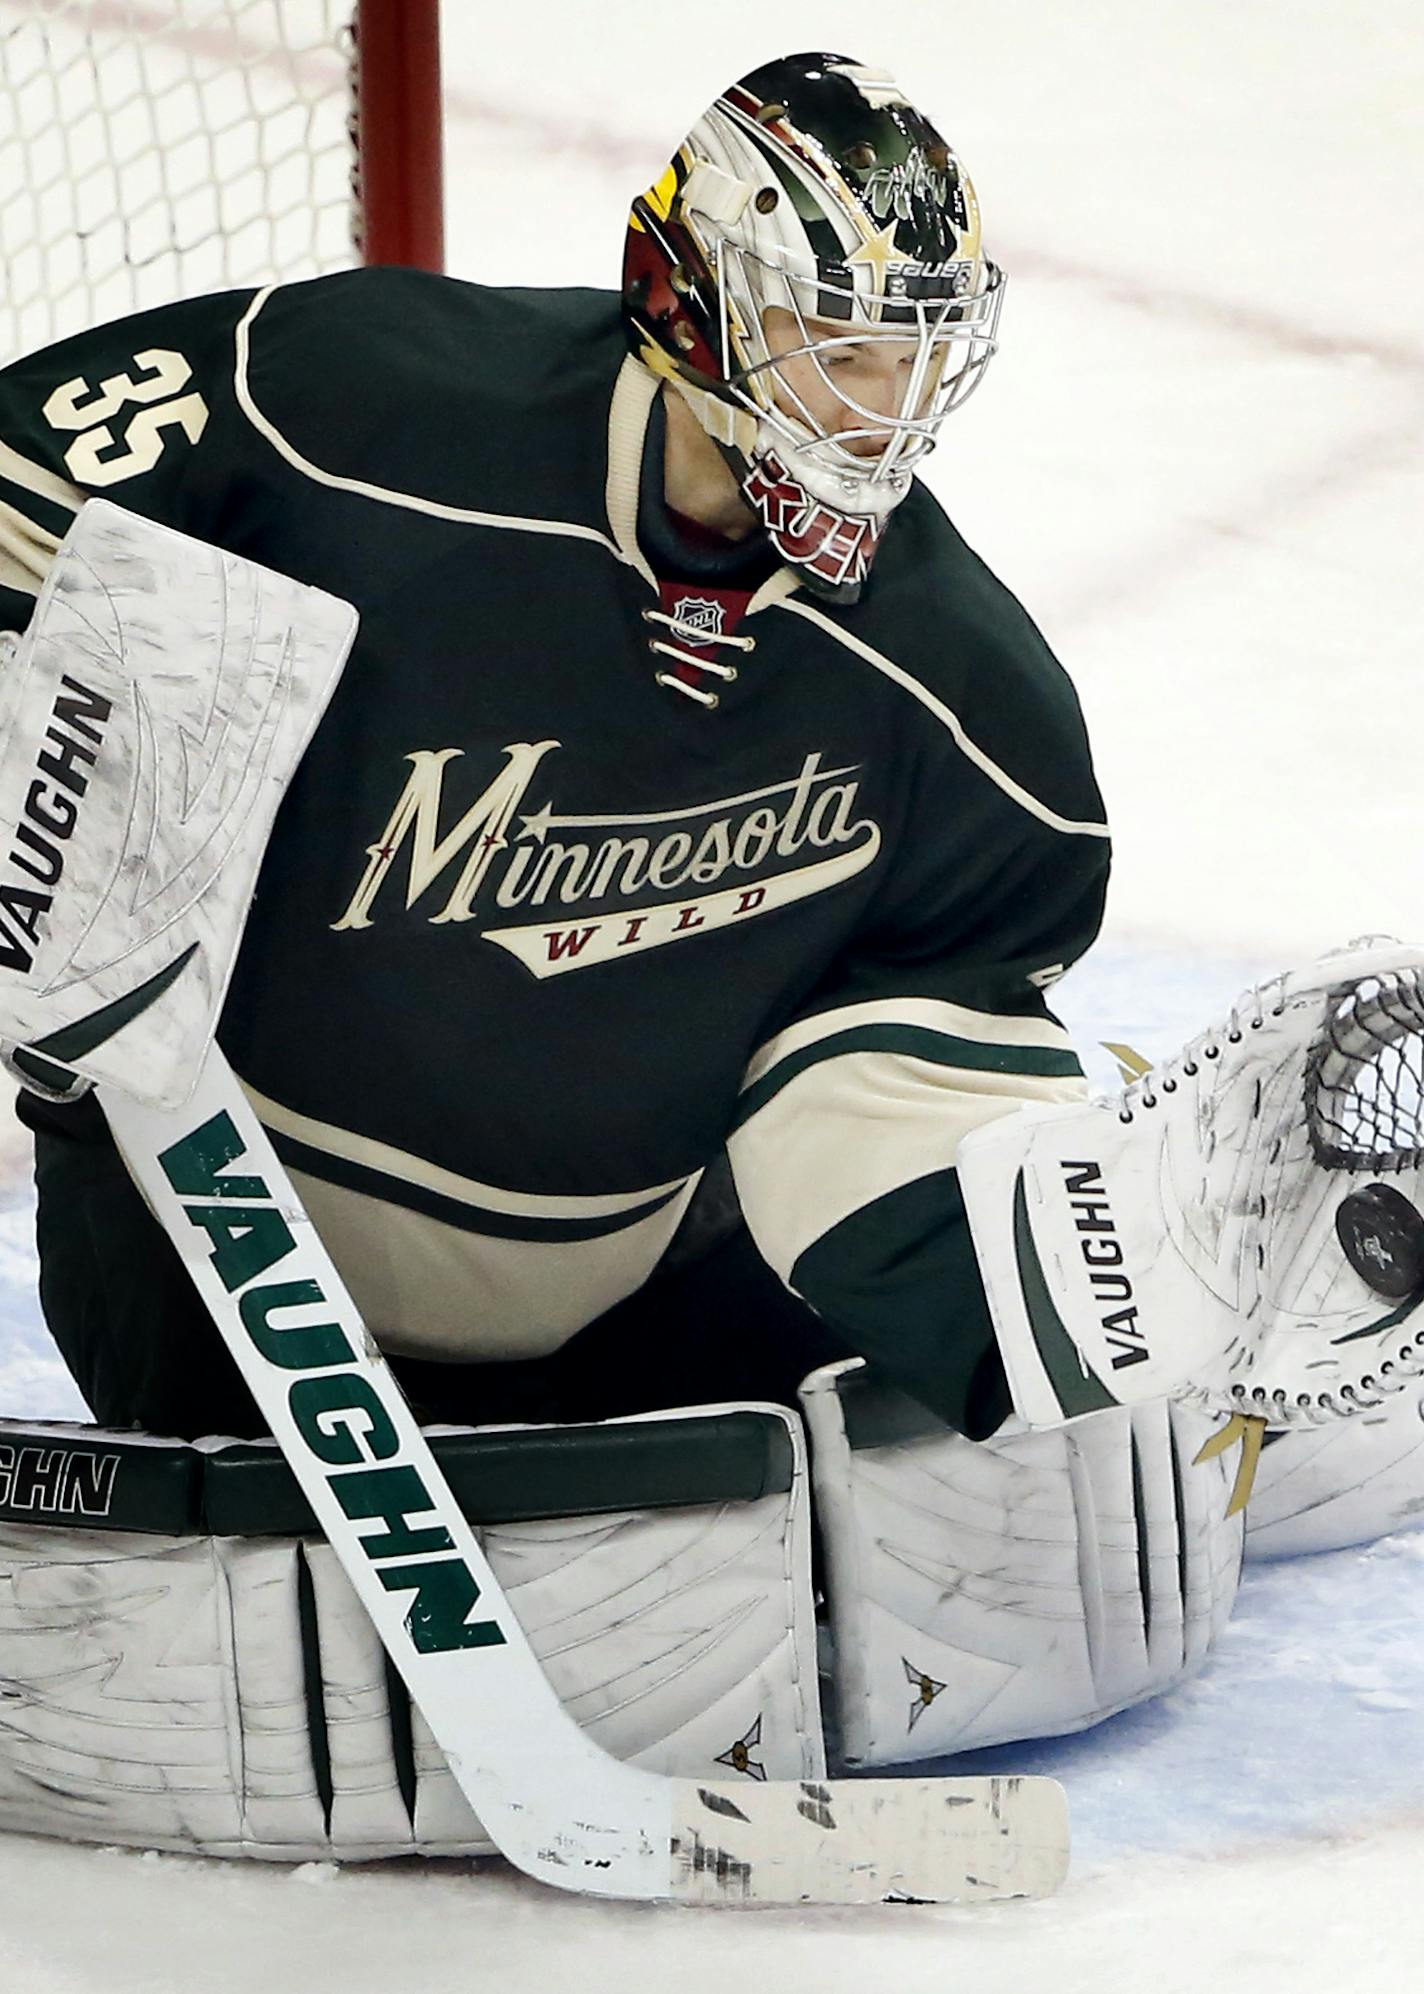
column 151, row 718
column 1239, row 1227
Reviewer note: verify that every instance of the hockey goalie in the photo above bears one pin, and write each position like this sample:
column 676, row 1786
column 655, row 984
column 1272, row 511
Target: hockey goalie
column 551, row 748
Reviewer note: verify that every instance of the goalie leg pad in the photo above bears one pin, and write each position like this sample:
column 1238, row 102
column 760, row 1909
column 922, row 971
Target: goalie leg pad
column 1346, row 1483
column 1019, row 1587
column 227, row 1695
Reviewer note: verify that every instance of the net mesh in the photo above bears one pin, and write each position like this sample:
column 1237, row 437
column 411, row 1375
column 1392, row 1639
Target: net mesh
column 152, row 151
column 1364, row 1083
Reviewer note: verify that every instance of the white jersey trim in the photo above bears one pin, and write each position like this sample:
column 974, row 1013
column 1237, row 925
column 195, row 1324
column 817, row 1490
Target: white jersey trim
column 955, row 1021
column 381, row 494
column 855, row 1128
column 984, row 763
column 404, row 1168
column 634, row 393
column 433, row 1290
column 26, row 551
column 45, row 484
column 636, row 390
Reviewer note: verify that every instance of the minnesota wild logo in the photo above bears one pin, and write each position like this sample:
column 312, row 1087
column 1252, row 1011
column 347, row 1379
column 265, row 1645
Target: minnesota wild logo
column 593, row 887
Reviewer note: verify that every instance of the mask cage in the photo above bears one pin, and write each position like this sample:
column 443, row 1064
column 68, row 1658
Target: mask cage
column 954, row 336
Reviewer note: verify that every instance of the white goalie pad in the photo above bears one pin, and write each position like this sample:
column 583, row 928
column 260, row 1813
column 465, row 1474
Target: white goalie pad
column 1346, row 1483
column 150, row 720
column 1019, row 1587
column 1240, row 1226
column 228, row 1695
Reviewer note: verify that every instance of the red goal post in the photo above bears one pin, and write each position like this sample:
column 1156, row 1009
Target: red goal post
column 399, row 133
column 155, row 149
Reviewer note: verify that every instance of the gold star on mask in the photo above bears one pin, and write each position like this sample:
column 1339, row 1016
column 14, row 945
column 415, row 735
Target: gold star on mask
column 878, row 254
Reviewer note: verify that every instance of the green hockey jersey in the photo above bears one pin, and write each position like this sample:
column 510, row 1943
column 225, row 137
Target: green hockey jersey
column 566, row 897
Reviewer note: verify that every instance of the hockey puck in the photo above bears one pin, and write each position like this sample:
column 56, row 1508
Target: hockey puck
column 1382, row 1234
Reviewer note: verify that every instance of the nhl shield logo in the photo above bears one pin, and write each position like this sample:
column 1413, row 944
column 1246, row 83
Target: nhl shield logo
column 698, row 613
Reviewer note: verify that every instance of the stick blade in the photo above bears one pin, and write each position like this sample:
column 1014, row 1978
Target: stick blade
column 869, row 1841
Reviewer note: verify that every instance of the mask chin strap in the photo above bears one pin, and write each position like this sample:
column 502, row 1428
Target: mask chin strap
column 733, row 427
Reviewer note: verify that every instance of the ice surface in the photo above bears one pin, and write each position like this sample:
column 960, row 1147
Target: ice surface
column 1198, row 460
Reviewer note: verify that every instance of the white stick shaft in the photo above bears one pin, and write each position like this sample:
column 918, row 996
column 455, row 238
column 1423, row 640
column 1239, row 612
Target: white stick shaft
column 375, row 1489
column 557, row 1805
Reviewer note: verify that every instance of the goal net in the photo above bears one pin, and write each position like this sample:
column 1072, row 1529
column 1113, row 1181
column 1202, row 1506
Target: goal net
column 155, row 149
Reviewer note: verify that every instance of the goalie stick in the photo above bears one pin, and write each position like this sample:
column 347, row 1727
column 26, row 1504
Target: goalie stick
column 554, row 1802
column 198, row 672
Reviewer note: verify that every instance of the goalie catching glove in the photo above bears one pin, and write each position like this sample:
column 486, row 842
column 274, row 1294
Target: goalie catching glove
column 1239, row 1227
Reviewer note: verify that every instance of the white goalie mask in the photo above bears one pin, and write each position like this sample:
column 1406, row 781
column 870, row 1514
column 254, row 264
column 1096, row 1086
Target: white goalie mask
column 809, row 273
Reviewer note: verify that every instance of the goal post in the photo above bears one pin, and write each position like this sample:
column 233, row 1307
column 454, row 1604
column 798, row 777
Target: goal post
column 157, row 149
column 399, row 151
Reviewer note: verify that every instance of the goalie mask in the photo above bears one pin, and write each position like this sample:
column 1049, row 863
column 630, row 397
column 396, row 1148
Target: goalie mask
column 813, row 249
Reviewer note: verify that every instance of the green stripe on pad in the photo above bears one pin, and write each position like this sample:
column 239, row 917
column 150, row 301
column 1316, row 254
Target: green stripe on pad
column 1076, row 1385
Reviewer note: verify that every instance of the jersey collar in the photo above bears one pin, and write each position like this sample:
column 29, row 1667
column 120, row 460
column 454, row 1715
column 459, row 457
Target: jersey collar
column 629, row 421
